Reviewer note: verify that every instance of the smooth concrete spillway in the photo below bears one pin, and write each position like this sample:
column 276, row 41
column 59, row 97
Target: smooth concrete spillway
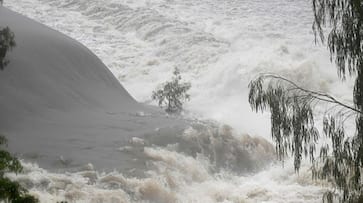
column 60, row 104
column 62, row 108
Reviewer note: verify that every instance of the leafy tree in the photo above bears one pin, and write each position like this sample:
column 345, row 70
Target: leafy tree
column 172, row 94
column 292, row 107
column 9, row 190
column 7, row 42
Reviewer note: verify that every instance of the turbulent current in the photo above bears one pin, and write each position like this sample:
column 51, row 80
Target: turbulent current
column 219, row 46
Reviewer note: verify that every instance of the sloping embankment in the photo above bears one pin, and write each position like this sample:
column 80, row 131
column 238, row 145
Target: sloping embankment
column 60, row 104
column 61, row 107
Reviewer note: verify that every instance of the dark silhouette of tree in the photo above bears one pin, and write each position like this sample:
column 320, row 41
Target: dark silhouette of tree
column 292, row 106
column 7, row 42
column 172, row 94
column 9, row 190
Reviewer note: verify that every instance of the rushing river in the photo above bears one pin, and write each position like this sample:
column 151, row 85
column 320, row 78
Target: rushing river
column 219, row 46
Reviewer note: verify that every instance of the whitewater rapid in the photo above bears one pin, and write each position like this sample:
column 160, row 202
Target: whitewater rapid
column 219, row 46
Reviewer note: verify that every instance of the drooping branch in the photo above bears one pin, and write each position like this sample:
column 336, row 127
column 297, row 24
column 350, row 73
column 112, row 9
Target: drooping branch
column 341, row 162
column 315, row 94
column 292, row 120
column 293, row 131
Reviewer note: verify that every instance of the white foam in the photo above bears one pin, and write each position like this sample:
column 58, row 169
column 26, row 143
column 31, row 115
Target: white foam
column 219, row 46
column 175, row 178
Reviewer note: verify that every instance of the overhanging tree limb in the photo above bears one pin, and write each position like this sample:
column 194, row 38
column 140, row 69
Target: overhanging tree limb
column 293, row 130
column 317, row 95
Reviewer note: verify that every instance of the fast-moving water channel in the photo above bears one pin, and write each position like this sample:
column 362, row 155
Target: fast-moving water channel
column 219, row 46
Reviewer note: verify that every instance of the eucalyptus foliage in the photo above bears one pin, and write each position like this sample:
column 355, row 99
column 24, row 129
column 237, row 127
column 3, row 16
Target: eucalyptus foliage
column 292, row 121
column 292, row 107
column 11, row 190
column 294, row 132
column 7, row 42
column 171, row 95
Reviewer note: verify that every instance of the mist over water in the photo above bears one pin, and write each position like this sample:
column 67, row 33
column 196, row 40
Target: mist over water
column 219, row 46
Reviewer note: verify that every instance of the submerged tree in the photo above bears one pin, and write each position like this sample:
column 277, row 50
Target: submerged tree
column 172, row 94
column 292, row 107
column 7, row 42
